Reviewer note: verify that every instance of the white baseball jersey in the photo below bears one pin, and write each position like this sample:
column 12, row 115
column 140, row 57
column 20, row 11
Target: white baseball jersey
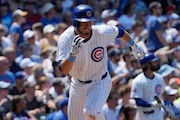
column 146, row 89
column 90, row 64
column 91, row 61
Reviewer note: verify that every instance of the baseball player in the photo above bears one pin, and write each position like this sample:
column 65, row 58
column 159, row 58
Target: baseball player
column 147, row 85
column 82, row 54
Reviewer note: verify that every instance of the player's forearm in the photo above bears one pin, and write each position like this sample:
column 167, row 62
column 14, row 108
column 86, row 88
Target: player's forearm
column 126, row 38
column 66, row 66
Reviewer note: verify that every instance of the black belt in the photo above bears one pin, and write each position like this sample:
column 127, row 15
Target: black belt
column 148, row 112
column 89, row 81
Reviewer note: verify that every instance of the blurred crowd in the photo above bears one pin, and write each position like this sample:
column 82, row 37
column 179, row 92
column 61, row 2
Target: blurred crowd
column 31, row 84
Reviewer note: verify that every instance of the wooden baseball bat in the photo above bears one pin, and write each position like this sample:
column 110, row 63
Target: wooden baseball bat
column 159, row 101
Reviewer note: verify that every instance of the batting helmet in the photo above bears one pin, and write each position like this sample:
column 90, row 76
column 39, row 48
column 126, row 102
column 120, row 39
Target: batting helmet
column 82, row 13
column 149, row 57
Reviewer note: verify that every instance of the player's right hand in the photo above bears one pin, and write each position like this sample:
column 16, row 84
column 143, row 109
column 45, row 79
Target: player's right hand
column 76, row 44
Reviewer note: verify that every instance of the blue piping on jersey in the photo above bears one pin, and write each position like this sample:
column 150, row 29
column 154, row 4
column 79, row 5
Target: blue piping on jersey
column 142, row 103
column 121, row 32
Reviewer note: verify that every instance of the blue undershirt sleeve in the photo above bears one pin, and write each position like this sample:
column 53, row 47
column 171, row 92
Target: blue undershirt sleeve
column 142, row 103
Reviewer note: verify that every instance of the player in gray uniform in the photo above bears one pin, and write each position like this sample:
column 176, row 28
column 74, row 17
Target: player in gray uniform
column 147, row 85
column 82, row 54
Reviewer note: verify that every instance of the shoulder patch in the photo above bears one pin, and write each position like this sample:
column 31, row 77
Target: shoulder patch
column 97, row 54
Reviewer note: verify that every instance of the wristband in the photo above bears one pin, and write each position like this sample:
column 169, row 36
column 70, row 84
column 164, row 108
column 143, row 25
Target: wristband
column 130, row 42
column 70, row 57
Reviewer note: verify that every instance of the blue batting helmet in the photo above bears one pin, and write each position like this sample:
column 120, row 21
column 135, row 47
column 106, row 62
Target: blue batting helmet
column 149, row 57
column 82, row 13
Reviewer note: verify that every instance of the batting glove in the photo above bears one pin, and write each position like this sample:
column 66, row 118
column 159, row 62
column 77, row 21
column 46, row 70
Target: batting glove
column 156, row 104
column 77, row 42
column 137, row 51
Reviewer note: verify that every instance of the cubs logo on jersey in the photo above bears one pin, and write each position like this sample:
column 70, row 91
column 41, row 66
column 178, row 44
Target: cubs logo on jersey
column 97, row 54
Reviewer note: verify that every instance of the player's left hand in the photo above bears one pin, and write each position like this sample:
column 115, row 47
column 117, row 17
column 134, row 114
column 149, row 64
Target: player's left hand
column 76, row 45
column 137, row 51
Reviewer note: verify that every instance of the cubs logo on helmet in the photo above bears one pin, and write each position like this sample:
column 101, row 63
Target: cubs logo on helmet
column 82, row 13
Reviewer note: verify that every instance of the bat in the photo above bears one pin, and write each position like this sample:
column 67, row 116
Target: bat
column 167, row 113
column 159, row 101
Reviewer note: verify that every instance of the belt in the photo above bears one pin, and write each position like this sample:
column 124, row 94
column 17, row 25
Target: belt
column 148, row 112
column 89, row 81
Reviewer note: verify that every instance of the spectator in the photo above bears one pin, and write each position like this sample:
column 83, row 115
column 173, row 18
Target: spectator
column 10, row 54
column 125, row 67
column 29, row 37
column 26, row 52
column 127, row 112
column 43, row 86
column 169, row 96
column 136, row 68
column 33, row 16
column 26, row 64
column 49, row 33
column 124, row 94
column 57, row 88
column 155, row 38
column 110, row 107
column 4, row 41
column 62, row 113
column 18, row 110
column 16, row 32
column 138, row 28
column 49, row 15
column 114, row 57
column 58, row 8
column 170, row 9
column 107, row 15
column 56, row 101
column 176, row 58
column 17, row 88
column 5, row 101
column 169, row 33
column 37, row 73
column 45, row 51
column 128, row 17
column 47, row 63
column 173, row 19
column 67, row 18
column 6, row 75
column 140, row 6
column 175, row 83
column 33, row 104
column 60, row 28
column 167, row 72
column 6, row 14
column 38, row 29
